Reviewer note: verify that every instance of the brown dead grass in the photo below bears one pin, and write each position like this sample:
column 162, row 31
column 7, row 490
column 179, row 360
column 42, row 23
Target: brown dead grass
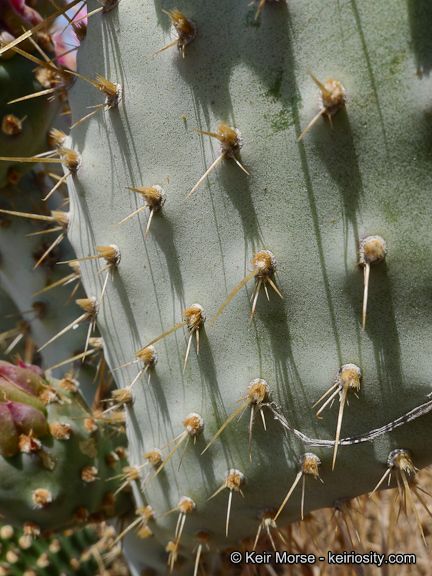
column 369, row 524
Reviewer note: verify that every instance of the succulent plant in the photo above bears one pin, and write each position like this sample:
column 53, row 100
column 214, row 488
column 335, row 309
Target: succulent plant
column 306, row 193
column 58, row 459
column 68, row 553
column 25, row 121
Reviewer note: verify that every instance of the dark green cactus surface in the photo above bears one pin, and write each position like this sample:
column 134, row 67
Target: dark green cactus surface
column 58, row 459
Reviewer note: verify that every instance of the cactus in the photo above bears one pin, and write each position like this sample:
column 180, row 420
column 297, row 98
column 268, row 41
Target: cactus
column 24, row 121
column 32, row 243
column 306, row 193
column 71, row 552
column 58, row 459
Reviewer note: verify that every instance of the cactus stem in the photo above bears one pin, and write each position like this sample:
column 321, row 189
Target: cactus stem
column 230, row 143
column 233, row 480
column 372, row 250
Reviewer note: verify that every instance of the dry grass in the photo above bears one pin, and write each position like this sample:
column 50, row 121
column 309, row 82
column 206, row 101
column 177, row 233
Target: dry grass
column 366, row 524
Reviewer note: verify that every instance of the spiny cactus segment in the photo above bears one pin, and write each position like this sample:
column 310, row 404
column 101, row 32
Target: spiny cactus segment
column 67, row 465
column 71, row 552
column 25, row 121
column 294, row 344
column 324, row 204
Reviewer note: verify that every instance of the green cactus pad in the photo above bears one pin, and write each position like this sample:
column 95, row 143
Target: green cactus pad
column 302, row 187
column 59, row 472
